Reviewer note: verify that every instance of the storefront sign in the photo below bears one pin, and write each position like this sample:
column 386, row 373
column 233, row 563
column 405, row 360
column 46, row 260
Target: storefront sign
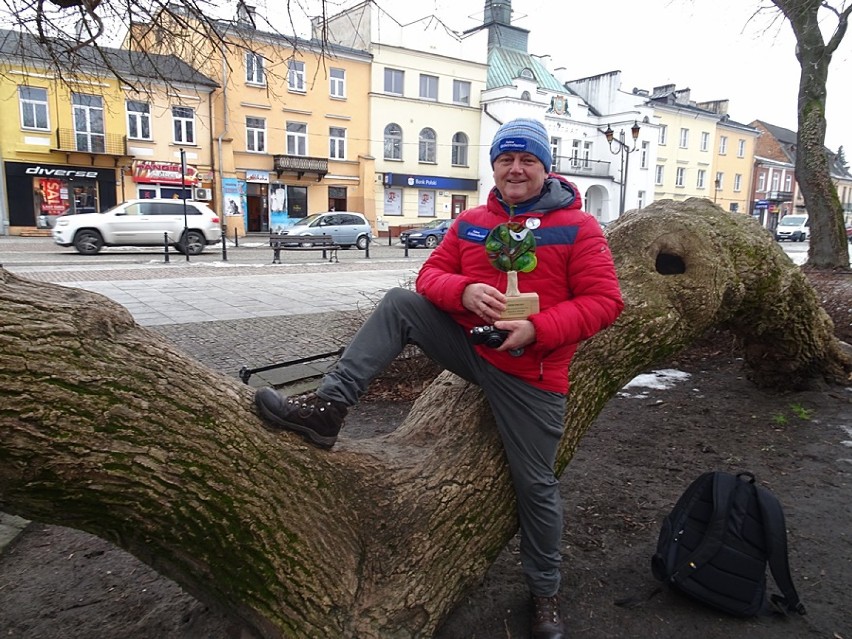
column 148, row 172
column 60, row 173
column 431, row 182
column 257, row 176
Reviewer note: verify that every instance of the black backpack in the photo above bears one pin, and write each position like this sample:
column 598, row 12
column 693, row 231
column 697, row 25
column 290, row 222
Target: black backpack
column 717, row 540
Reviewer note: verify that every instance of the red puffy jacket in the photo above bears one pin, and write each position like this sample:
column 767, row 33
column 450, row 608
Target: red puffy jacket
column 575, row 279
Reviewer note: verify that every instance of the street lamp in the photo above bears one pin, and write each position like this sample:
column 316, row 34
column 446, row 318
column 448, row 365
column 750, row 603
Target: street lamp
column 624, row 151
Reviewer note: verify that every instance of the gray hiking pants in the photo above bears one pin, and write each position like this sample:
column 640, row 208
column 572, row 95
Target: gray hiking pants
column 529, row 419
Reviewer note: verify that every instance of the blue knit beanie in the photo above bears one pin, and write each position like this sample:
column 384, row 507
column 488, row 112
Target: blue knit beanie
column 523, row 135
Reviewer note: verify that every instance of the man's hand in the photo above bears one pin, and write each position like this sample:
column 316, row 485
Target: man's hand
column 484, row 300
column 521, row 333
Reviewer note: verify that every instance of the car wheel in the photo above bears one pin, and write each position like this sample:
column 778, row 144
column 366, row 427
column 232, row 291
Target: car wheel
column 431, row 241
column 194, row 243
column 88, row 242
column 362, row 242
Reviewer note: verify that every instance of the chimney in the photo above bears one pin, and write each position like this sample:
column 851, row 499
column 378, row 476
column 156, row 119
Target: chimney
column 499, row 11
column 245, row 14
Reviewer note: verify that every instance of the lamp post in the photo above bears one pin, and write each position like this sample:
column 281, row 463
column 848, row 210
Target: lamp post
column 183, row 195
column 623, row 151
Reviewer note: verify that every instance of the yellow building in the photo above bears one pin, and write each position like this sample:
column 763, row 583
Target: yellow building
column 66, row 146
column 291, row 121
column 733, row 165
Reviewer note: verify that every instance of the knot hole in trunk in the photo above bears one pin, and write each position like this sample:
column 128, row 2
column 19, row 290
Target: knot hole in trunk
column 668, row 264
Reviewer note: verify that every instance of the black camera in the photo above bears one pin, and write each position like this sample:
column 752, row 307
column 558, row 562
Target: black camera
column 488, row 335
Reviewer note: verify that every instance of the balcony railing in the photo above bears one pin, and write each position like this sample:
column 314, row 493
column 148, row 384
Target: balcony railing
column 780, row 196
column 300, row 164
column 580, row 166
column 101, row 143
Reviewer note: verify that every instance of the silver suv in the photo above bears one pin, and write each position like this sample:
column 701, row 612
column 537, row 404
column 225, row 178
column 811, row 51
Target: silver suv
column 141, row 223
column 345, row 227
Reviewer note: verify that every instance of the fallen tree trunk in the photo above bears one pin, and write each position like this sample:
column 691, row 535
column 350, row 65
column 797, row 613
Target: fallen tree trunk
column 106, row 429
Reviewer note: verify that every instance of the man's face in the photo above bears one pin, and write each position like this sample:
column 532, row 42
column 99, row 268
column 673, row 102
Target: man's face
column 518, row 176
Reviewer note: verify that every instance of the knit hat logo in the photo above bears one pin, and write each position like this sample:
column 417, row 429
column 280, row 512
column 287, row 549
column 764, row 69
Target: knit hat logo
column 523, row 135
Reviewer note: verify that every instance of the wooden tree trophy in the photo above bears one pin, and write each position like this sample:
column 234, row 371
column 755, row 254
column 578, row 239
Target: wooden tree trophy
column 511, row 248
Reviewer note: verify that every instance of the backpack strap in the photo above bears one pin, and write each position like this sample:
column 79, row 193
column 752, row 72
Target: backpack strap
column 776, row 545
column 724, row 485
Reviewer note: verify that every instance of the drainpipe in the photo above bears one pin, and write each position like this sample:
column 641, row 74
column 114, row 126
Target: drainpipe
column 226, row 121
column 5, row 222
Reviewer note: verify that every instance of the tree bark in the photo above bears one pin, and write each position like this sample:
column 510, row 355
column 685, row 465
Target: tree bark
column 105, row 428
column 828, row 246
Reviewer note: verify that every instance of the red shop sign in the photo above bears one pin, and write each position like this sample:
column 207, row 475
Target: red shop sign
column 148, row 172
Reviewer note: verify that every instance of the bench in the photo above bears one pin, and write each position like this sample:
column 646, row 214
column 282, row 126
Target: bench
column 324, row 243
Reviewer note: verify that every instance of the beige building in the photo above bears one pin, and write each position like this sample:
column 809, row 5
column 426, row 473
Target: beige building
column 424, row 106
column 733, row 165
column 290, row 132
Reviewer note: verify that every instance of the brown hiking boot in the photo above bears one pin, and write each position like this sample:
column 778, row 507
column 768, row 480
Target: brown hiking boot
column 546, row 619
column 316, row 419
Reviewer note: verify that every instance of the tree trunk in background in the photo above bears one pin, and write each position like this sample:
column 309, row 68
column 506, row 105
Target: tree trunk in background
column 105, row 428
column 828, row 244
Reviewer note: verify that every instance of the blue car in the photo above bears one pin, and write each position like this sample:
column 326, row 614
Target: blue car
column 429, row 235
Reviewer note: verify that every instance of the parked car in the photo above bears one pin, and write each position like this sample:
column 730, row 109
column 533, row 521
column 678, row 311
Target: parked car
column 849, row 233
column 793, row 227
column 141, row 223
column 347, row 228
column 429, row 235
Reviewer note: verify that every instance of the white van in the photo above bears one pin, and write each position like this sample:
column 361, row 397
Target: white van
column 796, row 228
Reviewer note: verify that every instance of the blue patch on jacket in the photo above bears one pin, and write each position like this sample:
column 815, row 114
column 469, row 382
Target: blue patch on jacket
column 550, row 236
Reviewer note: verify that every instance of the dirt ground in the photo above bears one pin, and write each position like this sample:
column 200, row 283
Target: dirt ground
column 640, row 454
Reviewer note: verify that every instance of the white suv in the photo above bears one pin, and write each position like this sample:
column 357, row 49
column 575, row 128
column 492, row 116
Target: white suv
column 141, row 223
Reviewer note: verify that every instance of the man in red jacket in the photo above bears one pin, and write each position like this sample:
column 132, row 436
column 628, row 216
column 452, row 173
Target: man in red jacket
column 524, row 369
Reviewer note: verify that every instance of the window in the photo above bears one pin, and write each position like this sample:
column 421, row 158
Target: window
column 643, row 155
column 664, row 131
column 337, row 143
column 723, row 145
column 525, row 96
column 776, row 181
column 256, row 134
column 138, row 120
column 34, row 108
column 296, row 75
column 640, row 200
column 337, row 83
column 680, row 176
column 297, row 138
column 393, row 142
column 720, row 180
column 788, row 183
column 705, row 140
column 741, row 148
column 554, row 153
column 658, row 175
column 575, row 154
column 254, row 69
column 394, row 81
column 89, row 122
column 461, row 92
column 684, row 138
column 702, row 178
column 429, row 87
column 761, row 182
column 427, row 146
column 738, row 182
column 183, row 125
column 460, row 149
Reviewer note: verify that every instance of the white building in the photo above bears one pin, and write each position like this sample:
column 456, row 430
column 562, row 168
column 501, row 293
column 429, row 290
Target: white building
column 424, row 112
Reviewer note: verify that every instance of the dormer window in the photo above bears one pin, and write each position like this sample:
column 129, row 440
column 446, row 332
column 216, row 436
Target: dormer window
column 526, row 74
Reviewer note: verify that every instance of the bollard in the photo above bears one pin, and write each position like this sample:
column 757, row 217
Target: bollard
column 390, row 236
column 166, row 243
column 236, row 239
column 367, row 250
column 406, row 249
column 224, row 248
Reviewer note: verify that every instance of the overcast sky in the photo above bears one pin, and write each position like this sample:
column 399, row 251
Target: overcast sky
column 713, row 47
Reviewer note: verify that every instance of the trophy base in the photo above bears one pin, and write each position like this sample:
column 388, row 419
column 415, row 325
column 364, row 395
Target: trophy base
column 520, row 306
